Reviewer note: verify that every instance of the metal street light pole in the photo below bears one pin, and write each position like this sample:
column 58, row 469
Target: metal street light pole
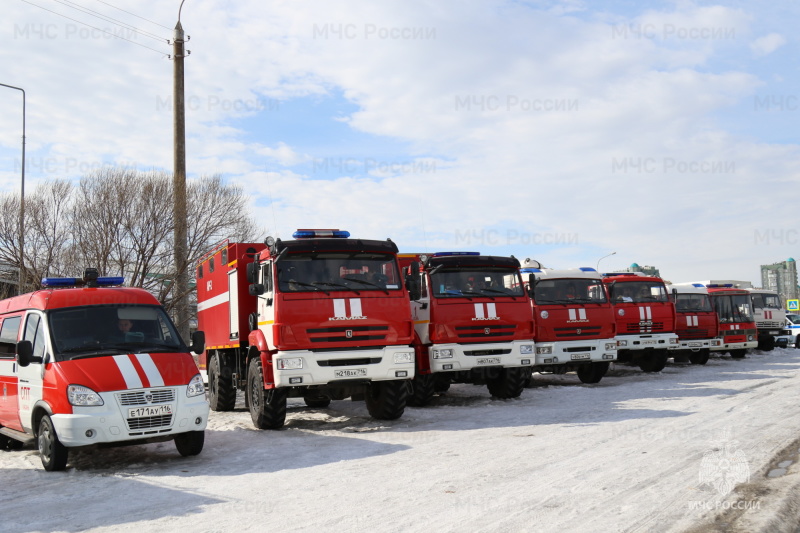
column 181, row 286
column 598, row 261
column 21, row 223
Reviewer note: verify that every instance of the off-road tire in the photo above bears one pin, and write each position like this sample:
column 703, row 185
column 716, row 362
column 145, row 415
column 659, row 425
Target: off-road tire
column 386, row 400
column 190, row 443
column 54, row 454
column 654, row 361
column 592, row 372
column 700, row 357
column 423, row 387
column 441, row 382
column 797, row 342
column 221, row 391
column 267, row 407
column 766, row 344
column 509, row 383
column 738, row 354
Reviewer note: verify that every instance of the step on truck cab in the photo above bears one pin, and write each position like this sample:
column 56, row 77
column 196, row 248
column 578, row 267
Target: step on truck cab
column 645, row 318
column 770, row 319
column 697, row 322
column 575, row 327
column 321, row 317
column 737, row 326
column 85, row 362
column 472, row 324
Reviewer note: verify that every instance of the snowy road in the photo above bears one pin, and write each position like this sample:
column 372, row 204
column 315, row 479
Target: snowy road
column 634, row 453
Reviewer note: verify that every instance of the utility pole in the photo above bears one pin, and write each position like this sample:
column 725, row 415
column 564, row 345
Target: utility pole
column 21, row 223
column 181, row 286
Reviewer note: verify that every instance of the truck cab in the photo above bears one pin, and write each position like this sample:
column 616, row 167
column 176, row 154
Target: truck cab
column 472, row 323
column 737, row 324
column 770, row 319
column 575, row 327
column 697, row 322
column 85, row 362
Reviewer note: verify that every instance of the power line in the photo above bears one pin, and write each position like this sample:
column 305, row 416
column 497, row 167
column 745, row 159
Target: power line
column 96, row 28
column 135, row 15
column 106, row 18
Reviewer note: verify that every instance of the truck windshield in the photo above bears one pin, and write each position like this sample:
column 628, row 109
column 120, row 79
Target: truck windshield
column 733, row 308
column 111, row 329
column 564, row 291
column 687, row 303
column 338, row 271
column 455, row 283
column 638, row 292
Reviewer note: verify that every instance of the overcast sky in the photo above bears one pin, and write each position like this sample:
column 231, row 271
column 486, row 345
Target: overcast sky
column 558, row 130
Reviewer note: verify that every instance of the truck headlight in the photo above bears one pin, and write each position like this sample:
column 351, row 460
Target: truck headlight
column 403, row 357
column 195, row 387
column 81, row 396
column 544, row 349
column 749, row 337
column 673, row 340
column 289, row 363
column 445, row 353
column 611, row 346
column 622, row 343
column 526, row 349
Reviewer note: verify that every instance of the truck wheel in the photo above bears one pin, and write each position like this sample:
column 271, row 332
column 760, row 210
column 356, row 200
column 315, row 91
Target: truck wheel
column 592, row 373
column 221, row 392
column 386, row 400
column 654, row 361
column 700, row 357
column 267, row 407
column 738, row 354
column 767, row 343
column 54, row 454
column 508, row 384
column 441, row 382
column 190, row 443
column 797, row 342
column 317, row 402
column 423, row 387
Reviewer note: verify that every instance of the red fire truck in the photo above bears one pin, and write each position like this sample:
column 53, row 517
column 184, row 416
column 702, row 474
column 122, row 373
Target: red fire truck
column 473, row 324
column 645, row 318
column 86, row 363
column 697, row 322
column 575, row 327
column 322, row 317
column 736, row 322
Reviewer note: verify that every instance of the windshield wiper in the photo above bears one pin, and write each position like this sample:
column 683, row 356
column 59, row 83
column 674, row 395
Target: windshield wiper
column 304, row 284
column 365, row 282
column 332, row 284
column 96, row 353
column 139, row 347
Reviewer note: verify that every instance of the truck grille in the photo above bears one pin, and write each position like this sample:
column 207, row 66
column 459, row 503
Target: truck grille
column 635, row 327
column 577, row 331
column 694, row 333
column 141, row 397
column 347, row 334
column 486, row 331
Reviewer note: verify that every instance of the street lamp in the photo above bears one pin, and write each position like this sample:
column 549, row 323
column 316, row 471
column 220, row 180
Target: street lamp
column 21, row 197
column 598, row 261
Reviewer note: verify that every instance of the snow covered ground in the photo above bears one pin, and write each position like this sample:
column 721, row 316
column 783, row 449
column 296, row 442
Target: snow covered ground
column 635, row 452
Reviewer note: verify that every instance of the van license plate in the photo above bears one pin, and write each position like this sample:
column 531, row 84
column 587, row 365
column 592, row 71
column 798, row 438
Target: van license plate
column 351, row 373
column 580, row 356
column 150, row 410
column 489, row 361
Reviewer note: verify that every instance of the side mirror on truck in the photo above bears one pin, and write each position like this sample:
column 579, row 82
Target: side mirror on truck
column 198, row 342
column 413, row 282
column 256, row 289
column 252, row 272
column 25, row 354
column 531, row 283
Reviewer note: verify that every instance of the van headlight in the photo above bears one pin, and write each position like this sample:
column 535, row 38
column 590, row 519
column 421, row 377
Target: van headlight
column 195, row 387
column 81, row 396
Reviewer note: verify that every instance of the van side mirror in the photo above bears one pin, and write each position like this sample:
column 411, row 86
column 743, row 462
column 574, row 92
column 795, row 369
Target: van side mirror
column 25, row 354
column 413, row 283
column 198, row 342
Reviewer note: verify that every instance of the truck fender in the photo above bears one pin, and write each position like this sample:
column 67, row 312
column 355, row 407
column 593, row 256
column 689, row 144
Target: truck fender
column 266, row 365
column 256, row 338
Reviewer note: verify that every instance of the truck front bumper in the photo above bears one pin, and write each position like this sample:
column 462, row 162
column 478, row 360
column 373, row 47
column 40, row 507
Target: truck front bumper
column 560, row 352
column 455, row 357
column 659, row 341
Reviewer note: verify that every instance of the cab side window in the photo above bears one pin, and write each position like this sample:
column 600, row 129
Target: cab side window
column 266, row 276
column 34, row 332
column 8, row 336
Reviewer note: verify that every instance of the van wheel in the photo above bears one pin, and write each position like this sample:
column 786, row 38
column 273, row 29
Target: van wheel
column 423, row 388
column 221, row 392
column 509, row 383
column 386, row 400
column 267, row 407
column 592, row 373
column 700, row 357
column 54, row 454
column 190, row 443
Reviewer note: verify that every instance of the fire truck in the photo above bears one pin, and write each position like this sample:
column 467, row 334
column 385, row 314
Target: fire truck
column 321, row 317
column 736, row 322
column 472, row 324
column 575, row 327
column 87, row 363
column 645, row 318
column 697, row 322
column 770, row 319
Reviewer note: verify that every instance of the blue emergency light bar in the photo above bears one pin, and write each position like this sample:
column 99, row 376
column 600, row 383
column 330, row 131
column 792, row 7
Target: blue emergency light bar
column 320, row 233
column 609, row 274
column 719, row 285
column 698, row 285
column 79, row 282
column 445, row 254
column 529, row 270
column 587, row 269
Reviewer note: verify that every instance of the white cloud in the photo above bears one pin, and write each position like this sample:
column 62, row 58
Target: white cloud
column 767, row 44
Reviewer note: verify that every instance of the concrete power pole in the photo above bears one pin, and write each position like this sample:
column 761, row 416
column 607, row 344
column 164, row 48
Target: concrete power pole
column 21, row 222
column 181, row 286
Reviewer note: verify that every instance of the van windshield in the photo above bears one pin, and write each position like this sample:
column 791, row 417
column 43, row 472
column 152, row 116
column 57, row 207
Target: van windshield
column 111, row 329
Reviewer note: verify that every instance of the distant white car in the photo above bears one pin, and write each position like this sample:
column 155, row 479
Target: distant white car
column 793, row 328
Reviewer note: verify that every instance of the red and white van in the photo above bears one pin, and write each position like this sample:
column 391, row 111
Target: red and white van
column 86, row 364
